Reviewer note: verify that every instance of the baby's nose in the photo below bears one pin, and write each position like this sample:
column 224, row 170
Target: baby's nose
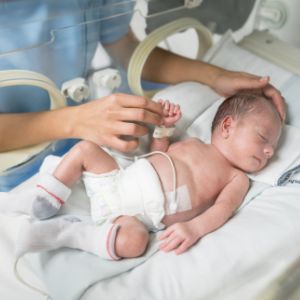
column 268, row 151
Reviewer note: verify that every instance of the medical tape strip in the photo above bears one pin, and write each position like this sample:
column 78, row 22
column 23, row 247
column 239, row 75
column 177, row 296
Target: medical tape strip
column 162, row 131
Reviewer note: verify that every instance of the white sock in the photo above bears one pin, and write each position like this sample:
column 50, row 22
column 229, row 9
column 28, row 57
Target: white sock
column 50, row 164
column 51, row 194
column 18, row 202
column 71, row 232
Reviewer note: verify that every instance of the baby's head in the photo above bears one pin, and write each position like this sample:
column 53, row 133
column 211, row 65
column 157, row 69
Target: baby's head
column 246, row 130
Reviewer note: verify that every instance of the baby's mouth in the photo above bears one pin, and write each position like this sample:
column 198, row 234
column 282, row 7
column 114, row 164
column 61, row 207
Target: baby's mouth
column 257, row 159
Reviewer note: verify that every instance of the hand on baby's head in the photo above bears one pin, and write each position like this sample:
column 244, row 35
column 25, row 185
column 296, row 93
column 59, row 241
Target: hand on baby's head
column 171, row 113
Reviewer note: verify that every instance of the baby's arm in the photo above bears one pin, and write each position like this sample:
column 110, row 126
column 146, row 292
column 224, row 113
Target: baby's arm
column 181, row 236
column 171, row 114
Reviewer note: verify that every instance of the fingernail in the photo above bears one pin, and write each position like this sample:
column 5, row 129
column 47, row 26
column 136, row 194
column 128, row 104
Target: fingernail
column 264, row 78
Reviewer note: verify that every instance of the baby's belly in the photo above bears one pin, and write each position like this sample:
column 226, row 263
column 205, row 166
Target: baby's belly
column 164, row 170
column 186, row 192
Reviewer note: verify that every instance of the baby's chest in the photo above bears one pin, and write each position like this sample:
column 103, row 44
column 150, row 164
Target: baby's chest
column 208, row 183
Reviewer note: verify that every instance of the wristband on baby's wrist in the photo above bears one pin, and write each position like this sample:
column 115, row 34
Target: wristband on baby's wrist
column 163, row 131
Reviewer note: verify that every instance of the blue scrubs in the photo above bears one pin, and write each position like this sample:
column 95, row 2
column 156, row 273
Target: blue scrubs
column 58, row 39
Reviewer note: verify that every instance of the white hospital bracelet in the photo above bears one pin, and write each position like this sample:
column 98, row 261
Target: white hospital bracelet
column 162, row 131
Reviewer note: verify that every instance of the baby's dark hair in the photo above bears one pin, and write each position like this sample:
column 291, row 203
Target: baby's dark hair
column 237, row 106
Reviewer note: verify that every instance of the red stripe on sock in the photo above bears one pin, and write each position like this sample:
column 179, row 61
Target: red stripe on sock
column 112, row 255
column 54, row 196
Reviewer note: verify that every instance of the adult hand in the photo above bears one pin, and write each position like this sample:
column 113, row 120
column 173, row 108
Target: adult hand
column 106, row 120
column 228, row 83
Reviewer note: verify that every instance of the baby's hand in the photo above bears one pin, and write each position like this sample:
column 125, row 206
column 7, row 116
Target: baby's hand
column 178, row 237
column 171, row 113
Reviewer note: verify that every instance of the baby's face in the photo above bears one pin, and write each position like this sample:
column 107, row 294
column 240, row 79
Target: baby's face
column 254, row 140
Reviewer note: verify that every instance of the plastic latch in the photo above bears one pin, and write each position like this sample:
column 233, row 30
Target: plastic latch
column 76, row 89
column 107, row 78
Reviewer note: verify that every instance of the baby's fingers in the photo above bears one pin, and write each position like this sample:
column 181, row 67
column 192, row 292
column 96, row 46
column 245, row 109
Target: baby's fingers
column 166, row 108
column 165, row 234
column 183, row 247
column 171, row 110
column 170, row 244
column 176, row 109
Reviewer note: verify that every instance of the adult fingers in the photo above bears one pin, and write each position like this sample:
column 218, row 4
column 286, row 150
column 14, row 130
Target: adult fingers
column 138, row 102
column 136, row 114
column 122, row 145
column 277, row 99
column 249, row 82
column 128, row 128
column 166, row 104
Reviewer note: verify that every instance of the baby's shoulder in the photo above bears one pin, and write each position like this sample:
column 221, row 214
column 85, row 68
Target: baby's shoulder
column 193, row 140
column 241, row 177
column 188, row 142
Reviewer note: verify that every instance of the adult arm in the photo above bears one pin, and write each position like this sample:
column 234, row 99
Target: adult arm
column 166, row 67
column 102, row 121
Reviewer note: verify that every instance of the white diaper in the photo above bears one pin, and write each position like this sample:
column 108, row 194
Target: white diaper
column 135, row 191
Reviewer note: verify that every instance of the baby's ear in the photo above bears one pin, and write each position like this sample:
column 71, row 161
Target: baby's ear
column 227, row 125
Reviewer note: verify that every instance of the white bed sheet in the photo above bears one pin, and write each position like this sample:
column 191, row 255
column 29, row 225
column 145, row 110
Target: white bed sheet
column 235, row 262
column 10, row 287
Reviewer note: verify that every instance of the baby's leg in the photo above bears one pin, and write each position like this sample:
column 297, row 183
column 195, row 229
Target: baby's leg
column 71, row 232
column 132, row 237
column 54, row 190
column 84, row 156
column 126, row 237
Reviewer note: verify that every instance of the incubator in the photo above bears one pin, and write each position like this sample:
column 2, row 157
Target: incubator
column 60, row 53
